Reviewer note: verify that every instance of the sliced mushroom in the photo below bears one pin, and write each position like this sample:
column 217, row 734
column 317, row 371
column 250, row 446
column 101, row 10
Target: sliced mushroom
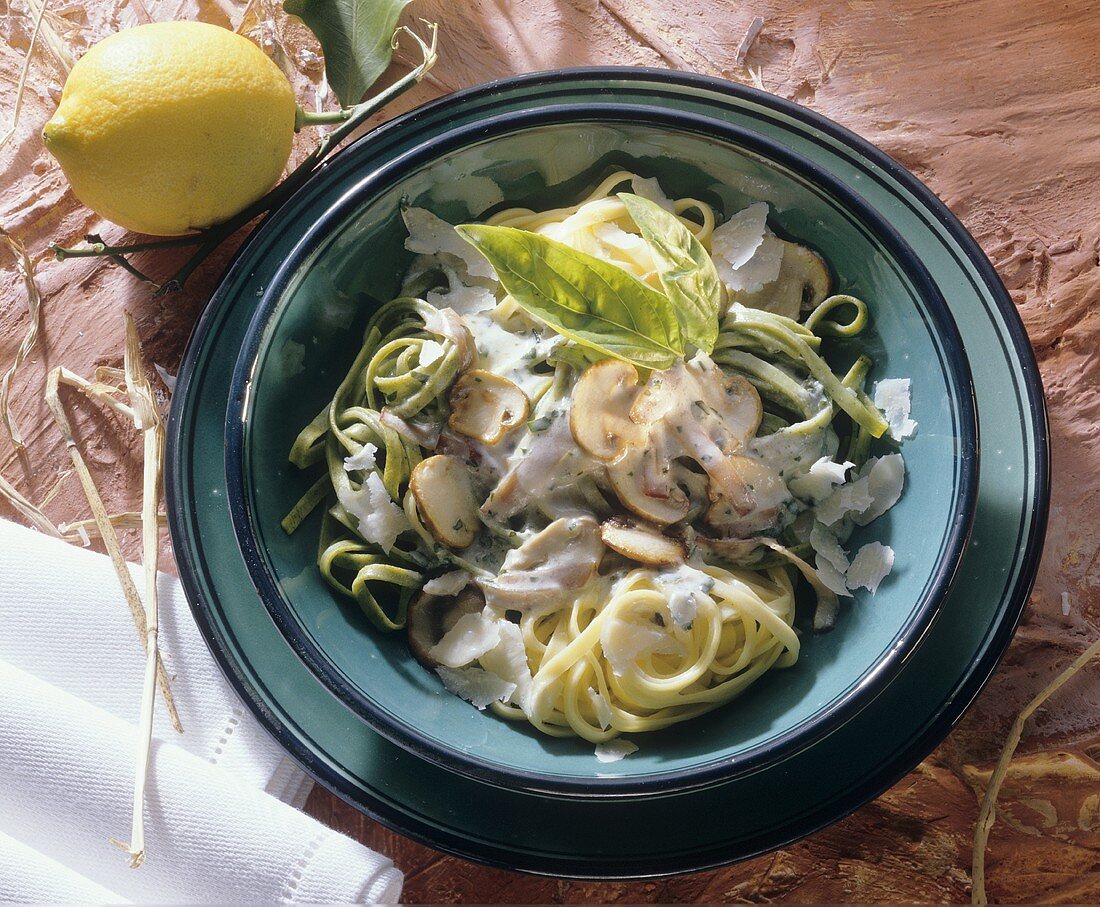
column 642, row 543
column 702, row 405
column 552, row 457
column 444, row 494
column 802, row 284
column 544, row 572
column 600, row 418
column 430, row 618
column 737, row 551
column 631, row 481
column 486, row 406
column 739, row 410
column 747, row 495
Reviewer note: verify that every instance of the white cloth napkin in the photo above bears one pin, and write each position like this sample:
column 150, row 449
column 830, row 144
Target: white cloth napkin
column 220, row 819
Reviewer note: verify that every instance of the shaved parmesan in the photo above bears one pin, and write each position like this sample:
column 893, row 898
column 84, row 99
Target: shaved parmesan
column 623, row 642
column 431, row 235
column 759, row 271
column 471, row 637
column 86, row 541
column 746, row 254
column 876, row 489
column 853, row 497
column 817, row 484
column 651, row 189
column 683, row 584
column 892, row 396
column 430, row 351
column 828, row 547
column 477, row 687
column 463, row 299
column 601, row 707
column 825, row 613
column 508, row 661
column 832, row 579
column 682, row 608
column 363, row 458
column 448, row 584
column 380, row 520
column 885, row 481
column 476, row 192
column 736, row 241
column 870, row 566
column 614, row 750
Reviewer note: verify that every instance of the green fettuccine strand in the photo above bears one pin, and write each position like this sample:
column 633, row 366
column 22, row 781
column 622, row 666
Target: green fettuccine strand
column 386, row 373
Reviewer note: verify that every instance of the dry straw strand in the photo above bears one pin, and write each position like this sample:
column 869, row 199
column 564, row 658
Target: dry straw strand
column 9, row 492
column 34, row 306
column 128, row 519
column 147, row 419
column 26, row 509
column 106, row 531
column 52, row 41
column 21, row 88
column 988, row 814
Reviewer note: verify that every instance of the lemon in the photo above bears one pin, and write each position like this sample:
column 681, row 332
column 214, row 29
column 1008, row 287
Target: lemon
column 172, row 127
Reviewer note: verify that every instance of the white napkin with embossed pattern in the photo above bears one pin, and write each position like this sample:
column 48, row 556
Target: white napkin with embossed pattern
column 221, row 817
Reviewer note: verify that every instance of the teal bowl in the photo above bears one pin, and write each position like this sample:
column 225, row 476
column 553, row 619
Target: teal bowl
column 307, row 328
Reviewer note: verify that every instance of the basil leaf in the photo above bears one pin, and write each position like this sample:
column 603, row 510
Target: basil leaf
column 686, row 270
column 355, row 37
column 586, row 299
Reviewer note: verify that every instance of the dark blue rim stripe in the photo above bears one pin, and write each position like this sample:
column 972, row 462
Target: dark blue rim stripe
column 846, row 704
column 305, row 749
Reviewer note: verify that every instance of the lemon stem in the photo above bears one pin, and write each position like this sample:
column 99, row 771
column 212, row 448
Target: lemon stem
column 98, row 247
column 304, row 118
column 348, row 120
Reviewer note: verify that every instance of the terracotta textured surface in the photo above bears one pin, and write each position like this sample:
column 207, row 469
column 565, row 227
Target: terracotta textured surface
column 994, row 103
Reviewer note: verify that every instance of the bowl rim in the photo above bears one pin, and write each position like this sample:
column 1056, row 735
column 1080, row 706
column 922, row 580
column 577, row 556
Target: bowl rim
column 853, row 699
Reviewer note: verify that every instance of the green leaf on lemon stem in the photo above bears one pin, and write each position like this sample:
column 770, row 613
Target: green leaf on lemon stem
column 355, row 37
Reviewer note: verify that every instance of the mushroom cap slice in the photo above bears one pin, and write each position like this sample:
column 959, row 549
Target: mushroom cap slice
column 740, row 409
column 430, row 617
column 628, row 479
column 486, row 406
column 544, row 572
column 600, row 415
column 702, row 404
column 807, row 270
column 643, row 544
column 444, row 493
column 743, row 552
column 747, row 495
column 696, row 410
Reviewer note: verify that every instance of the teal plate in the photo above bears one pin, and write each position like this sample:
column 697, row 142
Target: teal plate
column 682, row 831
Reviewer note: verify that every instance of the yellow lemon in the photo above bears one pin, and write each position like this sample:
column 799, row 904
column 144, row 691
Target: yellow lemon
column 172, row 127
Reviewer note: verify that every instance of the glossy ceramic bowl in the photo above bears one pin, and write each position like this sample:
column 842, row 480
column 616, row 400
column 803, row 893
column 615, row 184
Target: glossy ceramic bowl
column 643, row 836
column 307, row 327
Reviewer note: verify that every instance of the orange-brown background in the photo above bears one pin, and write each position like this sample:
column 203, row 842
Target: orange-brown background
column 994, row 103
